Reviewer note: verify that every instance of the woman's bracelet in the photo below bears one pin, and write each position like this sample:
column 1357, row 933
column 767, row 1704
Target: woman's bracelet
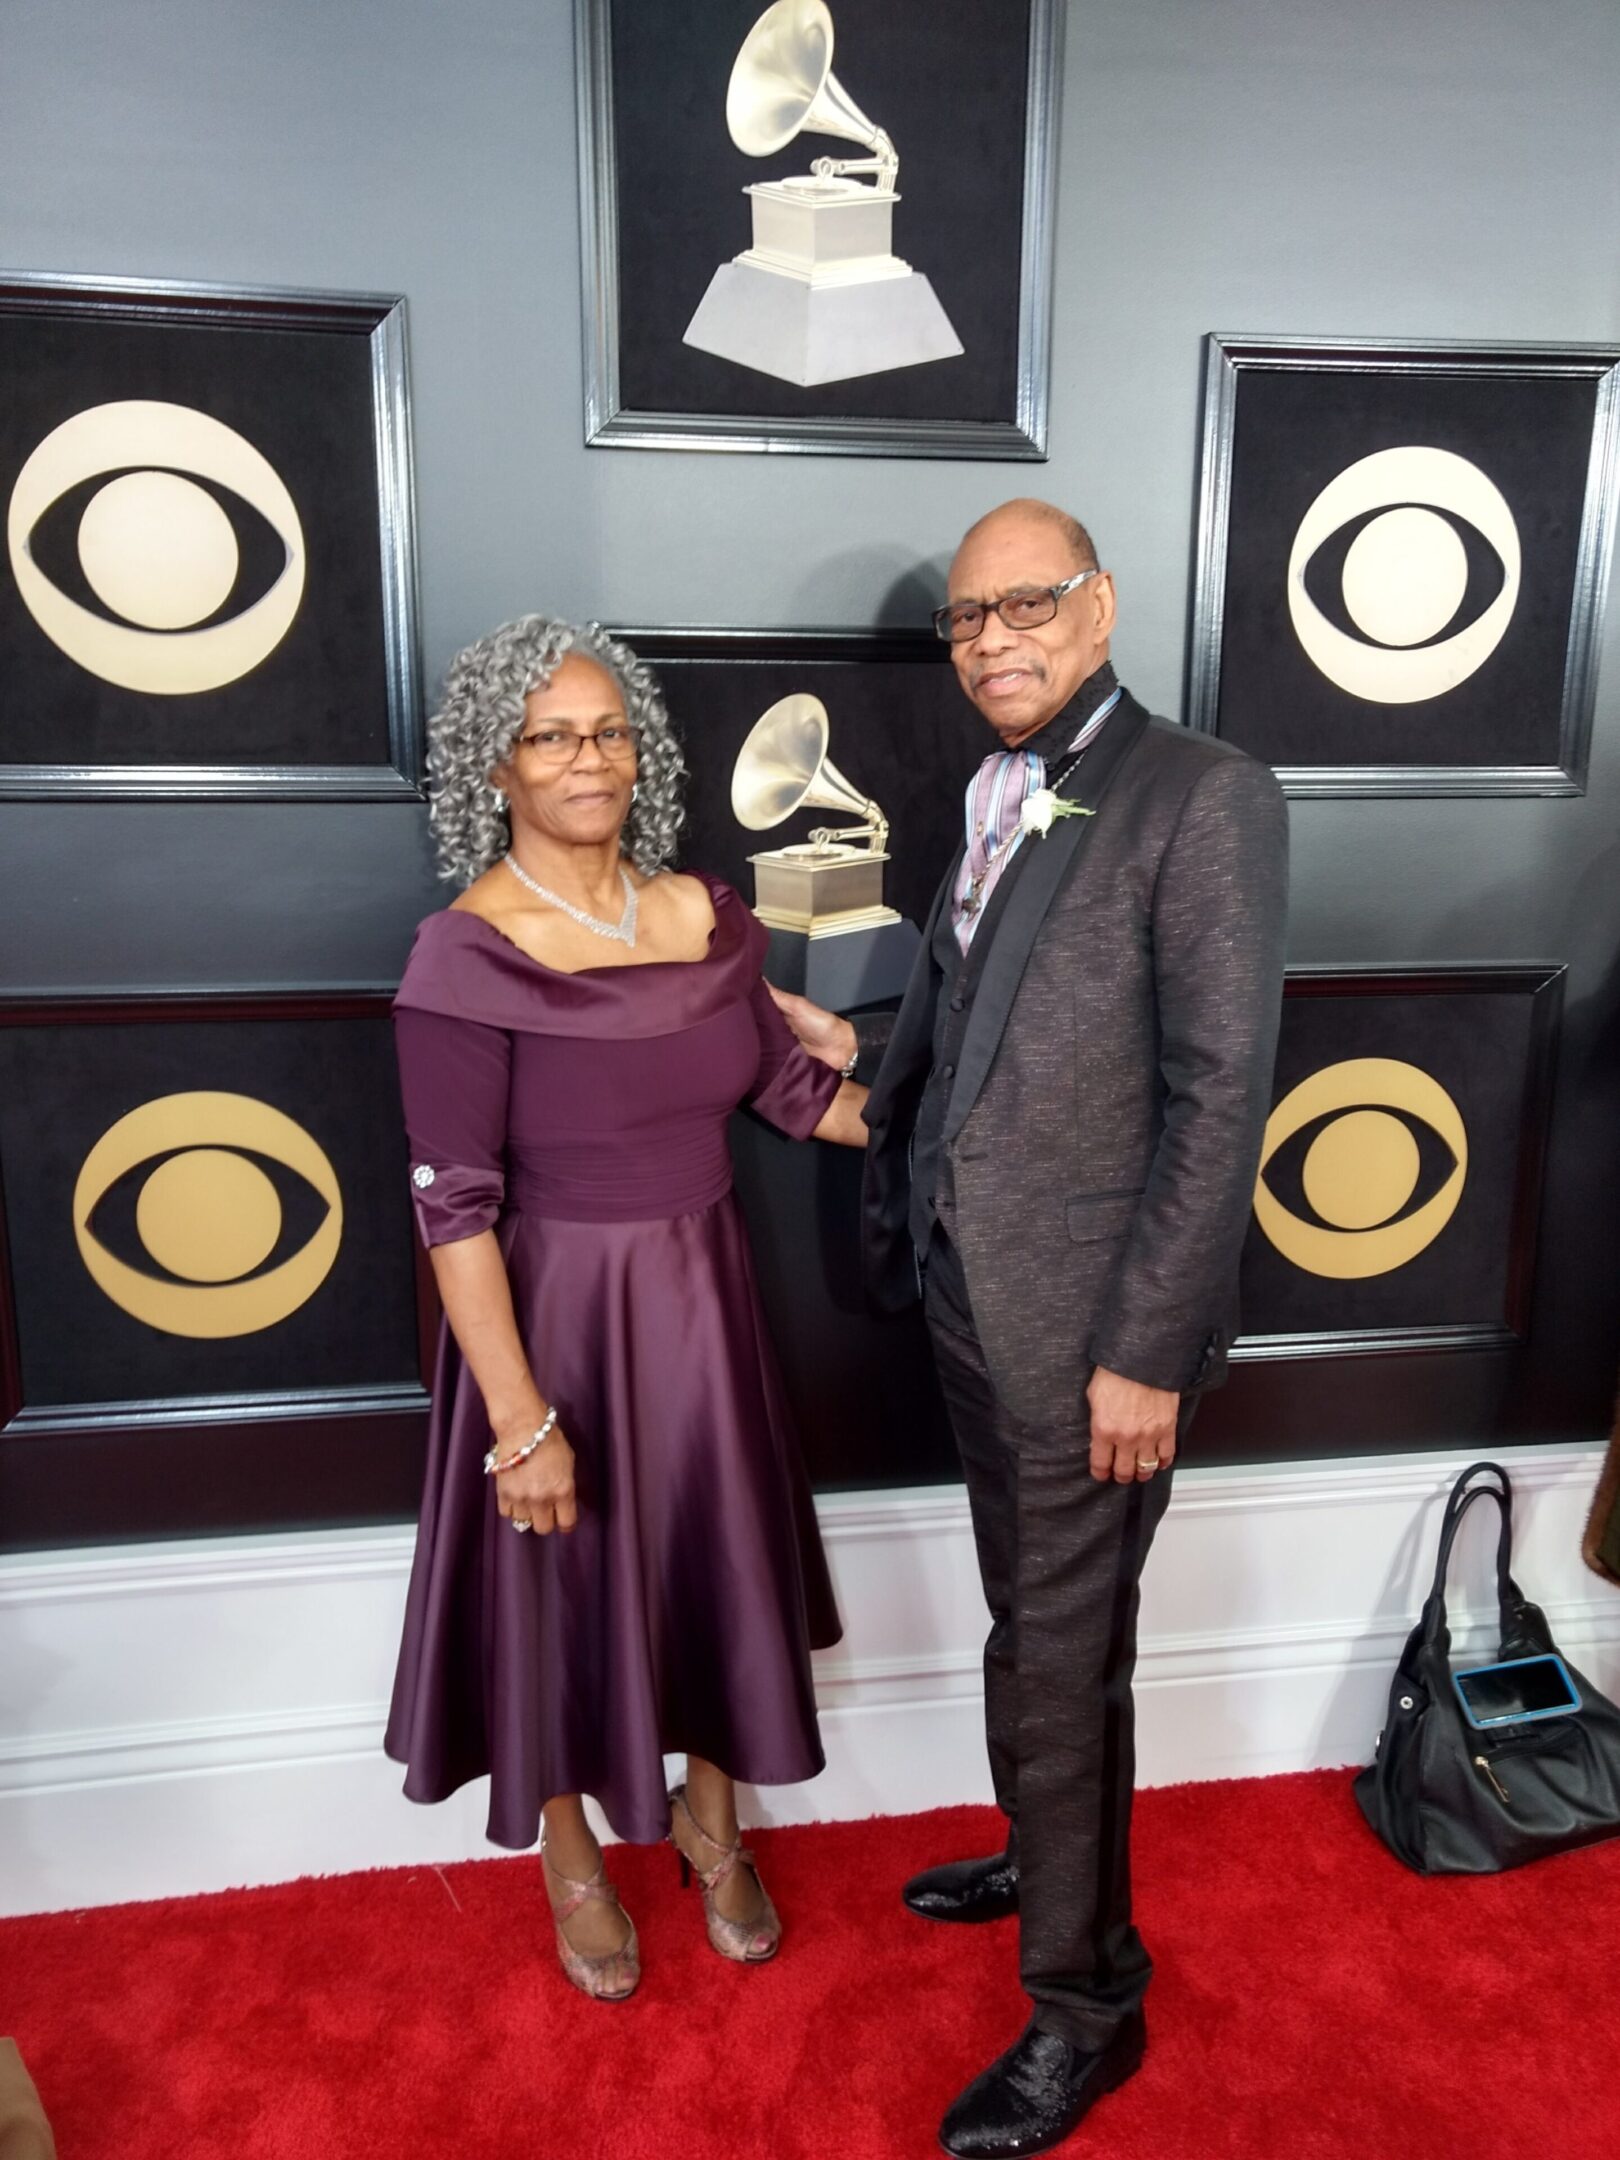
column 493, row 1468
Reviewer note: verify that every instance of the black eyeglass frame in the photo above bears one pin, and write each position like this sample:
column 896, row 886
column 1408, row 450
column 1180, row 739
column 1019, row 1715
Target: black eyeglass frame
column 941, row 616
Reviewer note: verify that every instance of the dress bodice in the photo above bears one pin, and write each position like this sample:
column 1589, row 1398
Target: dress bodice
column 597, row 1096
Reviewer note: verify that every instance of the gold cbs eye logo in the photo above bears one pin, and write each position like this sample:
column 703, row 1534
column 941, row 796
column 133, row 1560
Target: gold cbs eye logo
column 1362, row 1169
column 155, row 547
column 207, row 1214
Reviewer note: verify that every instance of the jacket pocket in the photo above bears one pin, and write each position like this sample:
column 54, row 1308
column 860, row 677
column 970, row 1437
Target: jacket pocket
column 1093, row 1217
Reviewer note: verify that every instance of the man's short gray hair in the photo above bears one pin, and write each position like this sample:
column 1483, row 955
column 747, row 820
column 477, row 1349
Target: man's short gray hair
column 475, row 727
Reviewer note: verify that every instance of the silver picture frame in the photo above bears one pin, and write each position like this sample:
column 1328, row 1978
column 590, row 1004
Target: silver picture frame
column 377, row 319
column 611, row 424
column 1539, row 988
column 1231, row 360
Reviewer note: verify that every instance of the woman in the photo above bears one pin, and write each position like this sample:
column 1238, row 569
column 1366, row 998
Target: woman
column 618, row 1556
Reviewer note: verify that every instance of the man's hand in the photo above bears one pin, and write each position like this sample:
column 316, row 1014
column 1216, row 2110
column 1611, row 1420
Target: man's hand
column 827, row 1036
column 1133, row 1428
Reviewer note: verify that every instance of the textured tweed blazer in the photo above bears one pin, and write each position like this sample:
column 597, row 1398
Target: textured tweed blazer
column 1104, row 1124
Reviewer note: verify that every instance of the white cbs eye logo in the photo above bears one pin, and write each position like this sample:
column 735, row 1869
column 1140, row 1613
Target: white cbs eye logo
column 155, row 548
column 1384, row 1161
column 181, row 1181
column 1400, row 546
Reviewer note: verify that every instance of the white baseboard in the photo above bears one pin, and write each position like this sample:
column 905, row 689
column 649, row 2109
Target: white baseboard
column 189, row 1716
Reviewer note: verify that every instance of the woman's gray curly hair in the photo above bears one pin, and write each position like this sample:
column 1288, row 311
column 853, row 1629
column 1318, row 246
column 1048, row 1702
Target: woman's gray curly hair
column 482, row 715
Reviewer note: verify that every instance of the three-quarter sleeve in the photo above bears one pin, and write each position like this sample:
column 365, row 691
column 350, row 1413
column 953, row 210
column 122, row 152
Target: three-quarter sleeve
column 454, row 1078
column 792, row 1089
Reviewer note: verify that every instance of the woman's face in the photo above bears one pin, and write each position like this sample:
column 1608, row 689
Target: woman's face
column 571, row 770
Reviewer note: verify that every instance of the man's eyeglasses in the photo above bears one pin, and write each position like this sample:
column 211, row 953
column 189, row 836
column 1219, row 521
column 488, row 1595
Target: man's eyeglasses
column 960, row 621
column 560, row 746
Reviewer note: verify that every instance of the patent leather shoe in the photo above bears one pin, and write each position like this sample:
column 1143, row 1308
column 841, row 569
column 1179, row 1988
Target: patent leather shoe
column 965, row 1890
column 1038, row 2093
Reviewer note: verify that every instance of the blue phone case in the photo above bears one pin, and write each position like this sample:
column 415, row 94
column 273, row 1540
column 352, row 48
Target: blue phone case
column 1518, row 1717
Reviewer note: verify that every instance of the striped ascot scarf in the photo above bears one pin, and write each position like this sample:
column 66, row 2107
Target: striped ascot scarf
column 996, row 796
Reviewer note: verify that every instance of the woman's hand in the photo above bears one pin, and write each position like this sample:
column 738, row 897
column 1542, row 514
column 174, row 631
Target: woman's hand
column 540, row 1491
column 826, row 1035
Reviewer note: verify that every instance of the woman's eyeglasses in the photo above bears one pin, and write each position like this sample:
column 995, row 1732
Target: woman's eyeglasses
column 560, row 745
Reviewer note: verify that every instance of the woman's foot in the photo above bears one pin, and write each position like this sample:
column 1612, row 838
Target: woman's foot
column 742, row 1922
column 596, row 1939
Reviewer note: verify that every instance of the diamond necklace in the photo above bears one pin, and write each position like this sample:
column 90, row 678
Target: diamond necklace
column 623, row 931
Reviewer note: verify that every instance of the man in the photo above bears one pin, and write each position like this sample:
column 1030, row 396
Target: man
column 1065, row 1132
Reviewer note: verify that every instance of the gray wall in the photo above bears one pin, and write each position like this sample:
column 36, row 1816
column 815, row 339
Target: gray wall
column 1400, row 167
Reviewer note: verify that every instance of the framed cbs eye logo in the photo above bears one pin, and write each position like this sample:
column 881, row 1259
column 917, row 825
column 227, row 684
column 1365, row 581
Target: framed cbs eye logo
column 1402, row 555
column 1400, row 1173
column 208, row 585
column 209, row 1282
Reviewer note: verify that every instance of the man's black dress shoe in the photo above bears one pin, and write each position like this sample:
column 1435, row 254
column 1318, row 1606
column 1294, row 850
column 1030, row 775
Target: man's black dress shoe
column 965, row 1890
column 1031, row 2098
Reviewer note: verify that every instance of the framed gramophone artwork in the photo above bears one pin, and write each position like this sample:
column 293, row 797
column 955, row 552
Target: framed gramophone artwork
column 1403, row 554
column 799, row 234
column 209, row 580
column 827, row 771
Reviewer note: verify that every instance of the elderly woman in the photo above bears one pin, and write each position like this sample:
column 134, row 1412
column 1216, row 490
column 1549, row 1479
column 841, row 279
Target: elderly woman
column 618, row 1556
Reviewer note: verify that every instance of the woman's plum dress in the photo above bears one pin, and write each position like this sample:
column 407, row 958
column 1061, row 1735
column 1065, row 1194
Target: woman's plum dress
column 584, row 1117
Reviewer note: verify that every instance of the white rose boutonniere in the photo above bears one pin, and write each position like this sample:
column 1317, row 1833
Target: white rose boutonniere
column 1043, row 806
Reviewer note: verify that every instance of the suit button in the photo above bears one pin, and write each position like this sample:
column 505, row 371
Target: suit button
column 947, row 1072
column 957, row 1003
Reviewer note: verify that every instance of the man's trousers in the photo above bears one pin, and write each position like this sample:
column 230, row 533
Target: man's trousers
column 1061, row 1556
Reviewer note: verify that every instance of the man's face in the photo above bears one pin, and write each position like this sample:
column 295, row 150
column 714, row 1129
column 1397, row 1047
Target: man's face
column 1019, row 679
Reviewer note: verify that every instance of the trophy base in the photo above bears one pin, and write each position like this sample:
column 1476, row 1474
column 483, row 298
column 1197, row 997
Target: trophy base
column 842, row 973
column 779, row 323
column 821, row 892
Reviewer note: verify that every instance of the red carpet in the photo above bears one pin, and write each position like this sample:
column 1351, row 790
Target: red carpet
column 1313, row 2002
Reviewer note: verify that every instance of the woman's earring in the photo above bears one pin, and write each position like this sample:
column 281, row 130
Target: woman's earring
column 635, row 789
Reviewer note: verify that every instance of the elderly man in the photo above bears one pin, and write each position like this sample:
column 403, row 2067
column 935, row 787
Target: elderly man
column 1065, row 1129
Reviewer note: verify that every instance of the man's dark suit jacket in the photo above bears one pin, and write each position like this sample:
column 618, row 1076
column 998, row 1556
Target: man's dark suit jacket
column 1105, row 1118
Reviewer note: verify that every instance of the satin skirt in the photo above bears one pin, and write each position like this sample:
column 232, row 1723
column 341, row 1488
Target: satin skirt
column 678, row 1617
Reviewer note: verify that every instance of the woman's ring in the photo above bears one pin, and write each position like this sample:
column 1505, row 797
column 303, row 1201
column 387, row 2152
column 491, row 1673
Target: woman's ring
column 521, row 1522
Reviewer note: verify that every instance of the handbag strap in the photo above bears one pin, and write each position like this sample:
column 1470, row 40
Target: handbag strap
column 1509, row 1597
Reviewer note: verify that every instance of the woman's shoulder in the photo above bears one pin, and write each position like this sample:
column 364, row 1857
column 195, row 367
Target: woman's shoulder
column 459, row 965
column 701, row 896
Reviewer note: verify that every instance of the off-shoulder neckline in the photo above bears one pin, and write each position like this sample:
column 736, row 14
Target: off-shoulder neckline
column 605, row 967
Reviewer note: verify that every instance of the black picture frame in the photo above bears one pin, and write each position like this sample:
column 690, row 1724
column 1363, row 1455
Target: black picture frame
column 864, row 1390
column 1487, row 1039
column 119, row 1420
column 301, row 397
column 1495, row 700
column 660, row 211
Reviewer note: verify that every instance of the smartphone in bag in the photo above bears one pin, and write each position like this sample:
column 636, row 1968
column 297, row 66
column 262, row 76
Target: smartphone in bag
column 1516, row 1689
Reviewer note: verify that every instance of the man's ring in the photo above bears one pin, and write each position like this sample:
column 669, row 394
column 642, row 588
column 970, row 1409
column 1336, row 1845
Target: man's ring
column 1147, row 1462
column 521, row 1522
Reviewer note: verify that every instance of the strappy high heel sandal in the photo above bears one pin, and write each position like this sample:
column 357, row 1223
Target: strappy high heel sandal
column 745, row 1942
column 612, row 1976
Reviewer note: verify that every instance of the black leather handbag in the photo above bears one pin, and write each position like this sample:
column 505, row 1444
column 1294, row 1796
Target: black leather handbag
column 1450, row 1799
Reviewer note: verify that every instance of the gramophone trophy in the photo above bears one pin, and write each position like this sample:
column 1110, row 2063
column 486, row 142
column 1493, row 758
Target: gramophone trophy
column 820, row 296
column 822, row 899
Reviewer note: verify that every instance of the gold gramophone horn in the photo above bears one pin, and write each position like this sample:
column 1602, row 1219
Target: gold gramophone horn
column 782, row 85
column 784, row 766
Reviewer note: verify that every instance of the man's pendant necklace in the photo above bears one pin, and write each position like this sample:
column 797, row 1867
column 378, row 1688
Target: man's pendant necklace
column 623, row 932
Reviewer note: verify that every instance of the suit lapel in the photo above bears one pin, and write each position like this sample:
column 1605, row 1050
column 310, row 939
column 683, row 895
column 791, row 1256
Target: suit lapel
column 1054, row 858
column 911, row 1044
